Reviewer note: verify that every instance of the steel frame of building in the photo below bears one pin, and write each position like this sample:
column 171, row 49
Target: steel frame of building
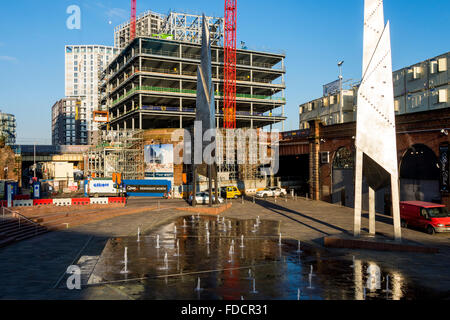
column 152, row 84
column 182, row 26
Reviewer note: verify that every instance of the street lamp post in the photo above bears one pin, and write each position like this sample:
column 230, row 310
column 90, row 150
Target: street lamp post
column 341, row 96
column 34, row 160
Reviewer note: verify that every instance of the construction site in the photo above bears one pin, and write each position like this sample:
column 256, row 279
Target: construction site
column 123, row 152
column 149, row 90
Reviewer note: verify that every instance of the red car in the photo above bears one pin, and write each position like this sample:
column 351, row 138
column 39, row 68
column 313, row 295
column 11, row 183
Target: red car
column 425, row 215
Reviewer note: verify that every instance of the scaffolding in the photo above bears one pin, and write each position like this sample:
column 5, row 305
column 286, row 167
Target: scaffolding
column 238, row 156
column 119, row 152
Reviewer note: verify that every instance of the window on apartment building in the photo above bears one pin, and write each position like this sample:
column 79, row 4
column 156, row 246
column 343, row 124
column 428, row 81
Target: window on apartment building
column 75, row 63
column 75, row 75
column 75, row 68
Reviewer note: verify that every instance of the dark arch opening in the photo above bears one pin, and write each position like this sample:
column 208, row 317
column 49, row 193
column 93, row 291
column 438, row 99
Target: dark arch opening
column 419, row 163
column 419, row 175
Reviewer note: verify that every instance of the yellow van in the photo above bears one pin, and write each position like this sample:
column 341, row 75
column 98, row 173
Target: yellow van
column 230, row 192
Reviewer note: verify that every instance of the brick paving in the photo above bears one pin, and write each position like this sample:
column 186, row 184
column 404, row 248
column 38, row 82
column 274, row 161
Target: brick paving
column 31, row 269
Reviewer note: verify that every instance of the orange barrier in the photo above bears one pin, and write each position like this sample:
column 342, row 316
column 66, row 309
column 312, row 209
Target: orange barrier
column 81, row 201
column 117, row 200
column 42, row 202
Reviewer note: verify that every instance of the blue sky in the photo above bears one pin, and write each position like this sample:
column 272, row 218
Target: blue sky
column 315, row 35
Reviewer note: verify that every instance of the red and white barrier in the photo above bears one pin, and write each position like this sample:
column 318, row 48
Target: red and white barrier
column 64, row 202
column 22, row 203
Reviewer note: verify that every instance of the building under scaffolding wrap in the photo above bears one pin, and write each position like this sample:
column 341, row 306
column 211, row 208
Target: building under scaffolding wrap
column 119, row 152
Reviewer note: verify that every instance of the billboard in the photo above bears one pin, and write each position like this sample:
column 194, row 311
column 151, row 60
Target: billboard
column 158, row 161
column 100, row 116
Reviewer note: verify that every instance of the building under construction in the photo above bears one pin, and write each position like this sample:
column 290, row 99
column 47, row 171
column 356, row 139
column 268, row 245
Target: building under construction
column 118, row 151
column 152, row 84
column 175, row 26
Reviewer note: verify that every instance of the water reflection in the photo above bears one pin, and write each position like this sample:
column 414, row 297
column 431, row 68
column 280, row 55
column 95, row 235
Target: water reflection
column 230, row 261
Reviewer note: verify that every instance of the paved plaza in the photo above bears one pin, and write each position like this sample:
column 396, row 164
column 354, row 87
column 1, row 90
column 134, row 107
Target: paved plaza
column 35, row 268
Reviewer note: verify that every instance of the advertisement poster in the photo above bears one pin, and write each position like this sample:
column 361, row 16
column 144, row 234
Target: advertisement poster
column 444, row 168
column 159, row 162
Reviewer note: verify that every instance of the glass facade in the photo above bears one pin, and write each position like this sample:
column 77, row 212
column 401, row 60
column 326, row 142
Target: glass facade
column 8, row 128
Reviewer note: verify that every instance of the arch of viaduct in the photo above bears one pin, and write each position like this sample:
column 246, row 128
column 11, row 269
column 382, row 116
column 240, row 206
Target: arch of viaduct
column 422, row 153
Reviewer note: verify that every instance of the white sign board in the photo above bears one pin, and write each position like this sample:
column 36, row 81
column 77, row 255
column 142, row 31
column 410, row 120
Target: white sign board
column 101, row 187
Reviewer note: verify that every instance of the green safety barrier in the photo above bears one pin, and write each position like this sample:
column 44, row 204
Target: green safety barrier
column 187, row 91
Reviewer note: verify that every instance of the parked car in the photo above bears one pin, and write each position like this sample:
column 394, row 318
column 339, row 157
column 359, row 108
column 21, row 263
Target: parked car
column 429, row 216
column 203, row 198
column 271, row 192
column 230, row 192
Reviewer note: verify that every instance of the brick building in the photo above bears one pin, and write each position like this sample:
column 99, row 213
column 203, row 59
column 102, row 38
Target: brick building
column 324, row 156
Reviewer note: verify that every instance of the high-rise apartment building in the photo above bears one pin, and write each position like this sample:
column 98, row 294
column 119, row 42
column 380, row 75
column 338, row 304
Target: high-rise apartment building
column 83, row 63
column 8, row 128
column 69, row 126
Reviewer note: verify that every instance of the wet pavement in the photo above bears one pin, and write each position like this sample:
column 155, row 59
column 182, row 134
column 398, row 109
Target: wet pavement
column 204, row 258
column 36, row 268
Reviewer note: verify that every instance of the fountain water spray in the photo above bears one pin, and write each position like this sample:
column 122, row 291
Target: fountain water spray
column 157, row 241
column 192, row 219
column 207, row 237
column 249, row 277
column 198, row 285
column 242, row 241
column 139, row 235
column 229, row 224
column 218, row 218
column 184, row 223
column 177, row 254
column 175, row 229
column 298, row 294
column 299, row 250
column 279, row 241
column 353, row 265
column 166, row 262
column 254, row 287
column 125, row 261
column 364, row 293
column 310, row 281
column 207, row 225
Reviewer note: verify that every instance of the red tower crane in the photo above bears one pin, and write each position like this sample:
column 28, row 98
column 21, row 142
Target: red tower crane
column 229, row 90
column 133, row 20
